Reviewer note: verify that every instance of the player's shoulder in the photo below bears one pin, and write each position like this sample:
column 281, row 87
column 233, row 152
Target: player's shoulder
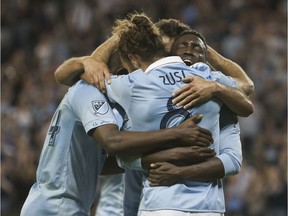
column 202, row 69
column 81, row 84
column 82, row 88
column 201, row 66
column 128, row 77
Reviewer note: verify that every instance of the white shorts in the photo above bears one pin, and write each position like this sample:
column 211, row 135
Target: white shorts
column 176, row 213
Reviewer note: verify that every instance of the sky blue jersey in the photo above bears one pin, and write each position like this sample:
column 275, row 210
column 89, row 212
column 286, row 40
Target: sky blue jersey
column 70, row 160
column 147, row 100
column 230, row 143
column 111, row 195
column 230, row 146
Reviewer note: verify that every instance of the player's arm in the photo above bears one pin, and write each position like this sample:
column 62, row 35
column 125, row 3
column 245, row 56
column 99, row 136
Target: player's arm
column 175, row 155
column 199, row 90
column 117, row 142
column 227, row 163
column 93, row 69
column 234, row 99
column 230, row 151
column 71, row 70
column 230, row 68
column 178, row 156
column 163, row 173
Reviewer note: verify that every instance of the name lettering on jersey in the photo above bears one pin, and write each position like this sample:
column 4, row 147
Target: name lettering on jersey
column 173, row 77
column 100, row 106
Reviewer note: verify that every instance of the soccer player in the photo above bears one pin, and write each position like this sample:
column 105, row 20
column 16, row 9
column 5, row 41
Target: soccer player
column 181, row 30
column 161, row 77
column 191, row 47
column 82, row 130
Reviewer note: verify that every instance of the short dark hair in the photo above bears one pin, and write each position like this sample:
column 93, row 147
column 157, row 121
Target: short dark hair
column 171, row 27
column 193, row 32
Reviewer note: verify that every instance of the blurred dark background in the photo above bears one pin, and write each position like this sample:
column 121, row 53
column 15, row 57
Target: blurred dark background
column 37, row 36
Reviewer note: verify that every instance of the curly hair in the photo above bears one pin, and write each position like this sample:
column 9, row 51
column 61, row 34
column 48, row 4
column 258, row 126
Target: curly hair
column 138, row 35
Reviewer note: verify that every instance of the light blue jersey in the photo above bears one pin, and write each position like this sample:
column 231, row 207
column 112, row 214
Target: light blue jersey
column 146, row 98
column 70, row 160
column 111, row 195
column 230, row 147
column 230, row 143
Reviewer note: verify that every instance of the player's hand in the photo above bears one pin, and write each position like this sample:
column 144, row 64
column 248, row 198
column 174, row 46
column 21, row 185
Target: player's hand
column 163, row 174
column 95, row 72
column 192, row 155
column 192, row 134
column 196, row 91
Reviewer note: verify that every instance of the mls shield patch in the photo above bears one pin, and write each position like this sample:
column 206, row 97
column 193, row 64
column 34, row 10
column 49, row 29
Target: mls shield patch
column 100, row 106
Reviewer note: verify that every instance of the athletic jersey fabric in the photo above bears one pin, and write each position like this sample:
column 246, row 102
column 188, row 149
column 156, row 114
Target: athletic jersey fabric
column 111, row 195
column 70, row 160
column 146, row 98
column 230, row 146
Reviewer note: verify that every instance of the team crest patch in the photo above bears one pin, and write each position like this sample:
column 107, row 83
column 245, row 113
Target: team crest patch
column 100, row 106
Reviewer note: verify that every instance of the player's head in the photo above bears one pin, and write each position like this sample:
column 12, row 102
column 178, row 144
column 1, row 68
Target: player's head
column 140, row 41
column 170, row 29
column 115, row 65
column 191, row 46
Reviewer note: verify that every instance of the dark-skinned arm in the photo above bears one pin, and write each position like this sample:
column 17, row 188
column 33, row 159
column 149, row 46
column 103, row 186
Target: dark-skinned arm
column 117, row 142
column 177, row 156
column 227, row 163
column 163, row 173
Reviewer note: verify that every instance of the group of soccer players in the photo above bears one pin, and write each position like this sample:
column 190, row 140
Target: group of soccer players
column 174, row 84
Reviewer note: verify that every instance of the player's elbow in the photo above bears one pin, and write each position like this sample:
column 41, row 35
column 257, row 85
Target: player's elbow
column 235, row 164
column 250, row 110
column 247, row 111
column 63, row 77
column 248, row 87
column 59, row 78
column 237, row 168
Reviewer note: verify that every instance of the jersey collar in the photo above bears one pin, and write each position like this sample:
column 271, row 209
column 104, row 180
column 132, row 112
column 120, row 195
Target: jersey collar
column 170, row 59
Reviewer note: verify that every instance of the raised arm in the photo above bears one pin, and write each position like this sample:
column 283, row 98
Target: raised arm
column 230, row 68
column 72, row 69
column 93, row 69
column 199, row 90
